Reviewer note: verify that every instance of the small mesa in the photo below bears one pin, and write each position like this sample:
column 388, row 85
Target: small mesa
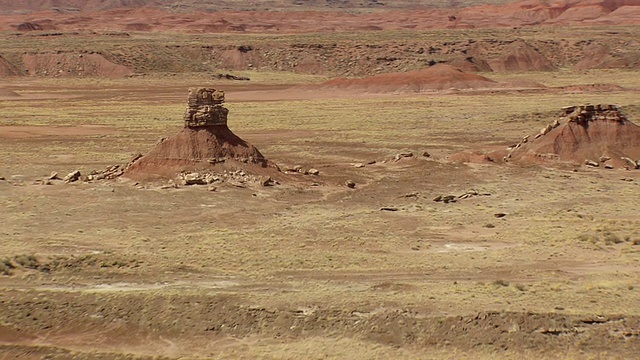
column 593, row 135
column 205, row 143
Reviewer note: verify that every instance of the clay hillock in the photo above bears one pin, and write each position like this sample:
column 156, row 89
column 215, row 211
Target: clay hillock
column 205, row 143
column 595, row 135
column 520, row 56
column 437, row 77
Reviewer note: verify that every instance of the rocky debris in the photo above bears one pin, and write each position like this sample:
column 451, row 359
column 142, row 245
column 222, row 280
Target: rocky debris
column 269, row 182
column 350, row 184
column 212, row 188
column 298, row 169
column 72, row 176
column 2, row 178
column 230, row 77
column 388, row 208
column 402, row 155
column 499, row 215
column 608, row 166
column 358, row 165
column 445, row 198
column 195, row 178
column 454, row 198
column 426, row 154
column 42, row 182
column 238, row 178
column 169, row 185
column 109, row 173
column 585, row 113
column 631, row 163
column 205, row 108
column 591, row 163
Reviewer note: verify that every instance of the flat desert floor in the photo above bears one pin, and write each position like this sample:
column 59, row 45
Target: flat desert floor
column 542, row 262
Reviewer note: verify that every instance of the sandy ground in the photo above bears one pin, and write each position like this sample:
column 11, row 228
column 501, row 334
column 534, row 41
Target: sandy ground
column 538, row 261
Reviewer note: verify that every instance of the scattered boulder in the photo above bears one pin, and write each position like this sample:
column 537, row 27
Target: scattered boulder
column 313, row 172
column 231, row 77
column 72, row 176
column 269, row 182
column 350, row 184
column 631, row 163
column 402, row 155
column 454, row 198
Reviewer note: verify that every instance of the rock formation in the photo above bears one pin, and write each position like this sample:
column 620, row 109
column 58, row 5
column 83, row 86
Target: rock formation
column 584, row 134
column 205, row 108
column 203, row 144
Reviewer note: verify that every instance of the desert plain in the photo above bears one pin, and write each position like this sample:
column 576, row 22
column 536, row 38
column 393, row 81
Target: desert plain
column 373, row 113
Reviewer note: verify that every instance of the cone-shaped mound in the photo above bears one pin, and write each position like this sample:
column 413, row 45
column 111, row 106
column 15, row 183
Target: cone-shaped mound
column 437, row 77
column 204, row 143
column 590, row 134
column 521, row 57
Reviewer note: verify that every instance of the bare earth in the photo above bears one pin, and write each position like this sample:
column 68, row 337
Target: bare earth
column 531, row 260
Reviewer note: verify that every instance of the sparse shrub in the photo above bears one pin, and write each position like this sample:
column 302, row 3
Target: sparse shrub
column 611, row 238
column 584, row 237
column 6, row 266
column 501, row 282
column 27, row 261
column 520, row 287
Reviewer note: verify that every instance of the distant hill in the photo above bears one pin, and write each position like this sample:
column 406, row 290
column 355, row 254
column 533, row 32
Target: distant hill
column 66, row 6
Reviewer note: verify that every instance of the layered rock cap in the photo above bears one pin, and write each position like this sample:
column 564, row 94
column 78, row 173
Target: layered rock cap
column 205, row 108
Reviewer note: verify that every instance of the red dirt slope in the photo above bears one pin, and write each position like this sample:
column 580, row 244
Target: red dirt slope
column 197, row 149
column 589, row 132
column 437, row 77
